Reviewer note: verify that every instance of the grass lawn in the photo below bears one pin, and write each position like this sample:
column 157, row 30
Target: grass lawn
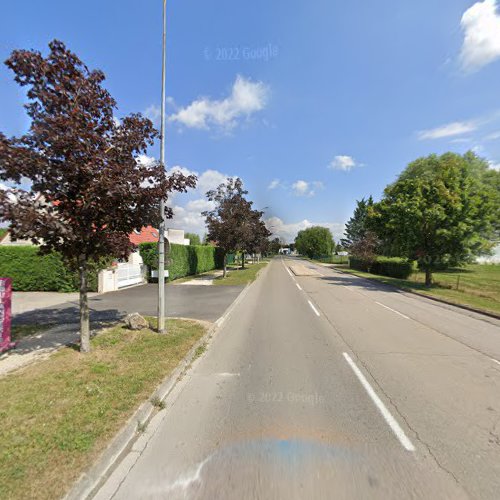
column 475, row 285
column 59, row 414
column 237, row 276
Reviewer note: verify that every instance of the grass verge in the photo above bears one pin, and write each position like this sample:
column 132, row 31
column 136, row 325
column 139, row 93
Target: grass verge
column 58, row 415
column 477, row 286
column 237, row 276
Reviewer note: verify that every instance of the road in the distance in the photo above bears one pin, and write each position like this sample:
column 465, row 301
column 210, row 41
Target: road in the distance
column 329, row 387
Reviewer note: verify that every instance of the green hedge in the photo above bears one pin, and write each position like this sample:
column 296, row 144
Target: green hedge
column 32, row 272
column 395, row 267
column 186, row 260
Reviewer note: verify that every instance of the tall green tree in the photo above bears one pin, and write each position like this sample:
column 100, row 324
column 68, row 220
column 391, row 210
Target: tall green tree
column 314, row 241
column 87, row 190
column 439, row 211
column 194, row 239
column 356, row 226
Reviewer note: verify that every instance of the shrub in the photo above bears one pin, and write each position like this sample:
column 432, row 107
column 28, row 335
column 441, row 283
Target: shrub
column 186, row 260
column 395, row 267
column 34, row 272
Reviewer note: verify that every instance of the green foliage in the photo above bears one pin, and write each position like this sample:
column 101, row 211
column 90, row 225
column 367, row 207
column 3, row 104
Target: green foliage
column 193, row 238
column 274, row 246
column 442, row 210
column 186, row 260
column 395, row 267
column 355, row 228
column 314, row 242
column 34, row 272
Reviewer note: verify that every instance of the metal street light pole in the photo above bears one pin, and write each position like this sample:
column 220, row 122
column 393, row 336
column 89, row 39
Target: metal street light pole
column 161, row 239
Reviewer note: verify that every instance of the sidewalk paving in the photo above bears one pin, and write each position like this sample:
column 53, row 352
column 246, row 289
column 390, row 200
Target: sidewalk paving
column 206, row 279
column 29, row 301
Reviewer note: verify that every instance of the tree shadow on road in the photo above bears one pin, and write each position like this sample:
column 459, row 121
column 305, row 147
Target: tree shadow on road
column 65, row 329
column 360, row 282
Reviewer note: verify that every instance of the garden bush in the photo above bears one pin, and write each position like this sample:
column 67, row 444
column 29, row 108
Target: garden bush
column 186, row 260
column 395, row 267
column 34, row 272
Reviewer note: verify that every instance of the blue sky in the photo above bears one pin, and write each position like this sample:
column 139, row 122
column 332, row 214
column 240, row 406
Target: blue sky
column 313, row 104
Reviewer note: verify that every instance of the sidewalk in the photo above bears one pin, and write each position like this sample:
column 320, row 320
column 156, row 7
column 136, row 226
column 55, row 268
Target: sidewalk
column 206, row 279
column 23, row 302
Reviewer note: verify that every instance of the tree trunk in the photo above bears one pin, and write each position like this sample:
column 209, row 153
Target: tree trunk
column 243, row 260
column 84, row 306
column 224, row 267
column 428, row 277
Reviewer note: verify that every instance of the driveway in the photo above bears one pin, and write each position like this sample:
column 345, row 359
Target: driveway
column 198, row 302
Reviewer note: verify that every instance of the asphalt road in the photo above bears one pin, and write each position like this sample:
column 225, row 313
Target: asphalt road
column 199, row 302
column 328, row 387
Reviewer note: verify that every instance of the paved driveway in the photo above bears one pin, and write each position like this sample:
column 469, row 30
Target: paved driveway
column 199, row 302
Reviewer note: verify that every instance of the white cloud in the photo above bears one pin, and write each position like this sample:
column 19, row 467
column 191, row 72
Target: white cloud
column 183, row 170
column 481, row 26
column 301, row 188
column 274, row 184
column 304, row 188
column 190, row 220
column 448, row 130
column 153, row 112
column 343, row 162
column 246, row 98
column 188, row 216
column 146, row 160
column 200, row 205
column 289, row 231
column 210, row 179
column 494, row 166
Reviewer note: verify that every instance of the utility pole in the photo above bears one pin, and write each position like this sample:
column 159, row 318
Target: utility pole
column 161, row 239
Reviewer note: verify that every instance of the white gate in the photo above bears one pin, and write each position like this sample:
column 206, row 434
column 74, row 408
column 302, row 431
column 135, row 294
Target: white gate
column 128, row 274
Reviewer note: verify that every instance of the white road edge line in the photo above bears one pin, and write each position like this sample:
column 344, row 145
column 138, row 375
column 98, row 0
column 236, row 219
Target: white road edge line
column 298, row 286
column 391, row 421
column 313, row 308
column 391, row 309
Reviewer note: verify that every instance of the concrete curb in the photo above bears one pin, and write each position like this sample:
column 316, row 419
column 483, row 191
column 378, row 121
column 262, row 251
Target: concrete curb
column 90, row 481
column 424, row 296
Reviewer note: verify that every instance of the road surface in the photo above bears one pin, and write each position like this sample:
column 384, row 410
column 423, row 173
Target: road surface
column 199, row 302
column 328, row 386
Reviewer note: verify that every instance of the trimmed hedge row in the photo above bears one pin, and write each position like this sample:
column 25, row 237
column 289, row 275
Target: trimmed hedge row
column 186, row 260
column 32, row 272
column 395, row 267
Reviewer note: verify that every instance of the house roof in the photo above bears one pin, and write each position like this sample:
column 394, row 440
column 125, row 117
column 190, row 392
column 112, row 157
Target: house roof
column 147, row 234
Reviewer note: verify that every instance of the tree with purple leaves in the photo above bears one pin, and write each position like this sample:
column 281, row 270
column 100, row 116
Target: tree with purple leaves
column 87, row 190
